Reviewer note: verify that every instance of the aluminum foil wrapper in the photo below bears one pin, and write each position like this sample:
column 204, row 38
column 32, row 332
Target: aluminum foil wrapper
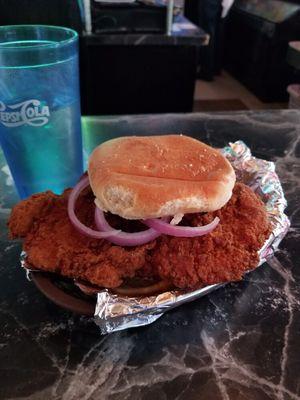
column 114, row 312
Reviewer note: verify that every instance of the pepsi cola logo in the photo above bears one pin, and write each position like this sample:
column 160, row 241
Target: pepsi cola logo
column 29, row 112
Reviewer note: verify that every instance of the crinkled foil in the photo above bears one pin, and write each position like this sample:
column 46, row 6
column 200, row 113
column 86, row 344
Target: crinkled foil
column 114, row 313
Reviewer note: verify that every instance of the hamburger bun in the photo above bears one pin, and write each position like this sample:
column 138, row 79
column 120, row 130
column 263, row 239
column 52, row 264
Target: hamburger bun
column 156, row 176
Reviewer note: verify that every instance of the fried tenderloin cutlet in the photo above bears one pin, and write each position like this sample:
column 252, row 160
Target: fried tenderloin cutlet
column 53, row 244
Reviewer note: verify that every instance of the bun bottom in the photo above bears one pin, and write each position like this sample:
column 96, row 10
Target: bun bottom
column 131, row 289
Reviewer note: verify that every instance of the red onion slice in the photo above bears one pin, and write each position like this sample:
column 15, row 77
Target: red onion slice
column 84, row 230
column 157, row 226
column 124, row 238
column 180, row 231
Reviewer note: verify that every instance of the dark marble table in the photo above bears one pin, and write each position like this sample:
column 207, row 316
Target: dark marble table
column 241, row 342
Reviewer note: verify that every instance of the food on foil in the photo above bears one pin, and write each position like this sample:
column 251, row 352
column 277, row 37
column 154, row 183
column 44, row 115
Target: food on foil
column 153, row 213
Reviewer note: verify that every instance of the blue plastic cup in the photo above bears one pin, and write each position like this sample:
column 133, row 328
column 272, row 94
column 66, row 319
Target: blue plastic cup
column 40, row 127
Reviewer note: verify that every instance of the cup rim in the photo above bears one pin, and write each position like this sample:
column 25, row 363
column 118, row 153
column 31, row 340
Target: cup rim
column 74, row 36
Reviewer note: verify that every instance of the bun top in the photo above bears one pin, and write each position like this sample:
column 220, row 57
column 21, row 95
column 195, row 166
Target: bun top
column 154, row 176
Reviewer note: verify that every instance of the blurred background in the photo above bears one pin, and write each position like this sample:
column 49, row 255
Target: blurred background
column 212, row 55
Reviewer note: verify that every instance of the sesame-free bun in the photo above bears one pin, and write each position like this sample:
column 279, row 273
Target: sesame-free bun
column 155, row 176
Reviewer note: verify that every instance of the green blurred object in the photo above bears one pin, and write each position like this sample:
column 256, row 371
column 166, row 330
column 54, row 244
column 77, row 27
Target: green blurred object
column 93, row 133
column 96, row 130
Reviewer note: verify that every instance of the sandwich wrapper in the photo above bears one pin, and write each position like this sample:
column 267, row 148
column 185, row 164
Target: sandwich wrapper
column 114, row 312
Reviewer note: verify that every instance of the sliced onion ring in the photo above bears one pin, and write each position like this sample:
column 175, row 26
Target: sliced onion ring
column 124, row 238
column 180, row 231
column 157, row 226
column 82, row 184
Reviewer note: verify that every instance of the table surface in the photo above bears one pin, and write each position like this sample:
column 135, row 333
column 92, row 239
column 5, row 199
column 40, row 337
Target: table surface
column 240, row 342
column 184, row 32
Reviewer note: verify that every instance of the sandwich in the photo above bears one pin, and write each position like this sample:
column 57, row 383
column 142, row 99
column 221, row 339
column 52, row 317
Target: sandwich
column 152, row 213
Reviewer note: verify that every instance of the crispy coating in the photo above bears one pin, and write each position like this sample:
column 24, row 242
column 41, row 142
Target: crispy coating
column 226, row 253
column 53, row 244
